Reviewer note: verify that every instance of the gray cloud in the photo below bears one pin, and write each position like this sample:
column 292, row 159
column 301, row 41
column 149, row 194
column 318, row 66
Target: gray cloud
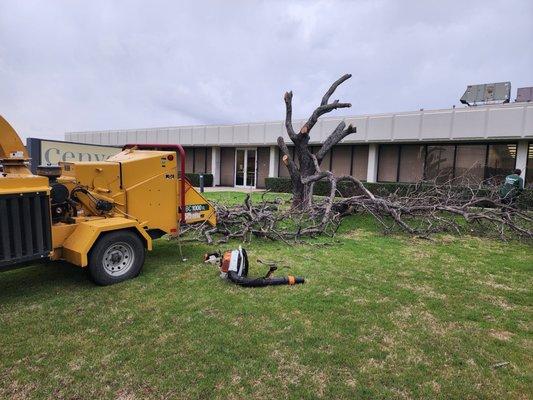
column 78, row 65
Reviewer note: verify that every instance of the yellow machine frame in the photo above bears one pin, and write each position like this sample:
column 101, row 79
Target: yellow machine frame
column 136, row 191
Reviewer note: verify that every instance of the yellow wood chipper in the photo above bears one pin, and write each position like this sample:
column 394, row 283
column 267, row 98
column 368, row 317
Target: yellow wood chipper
column 102, row 216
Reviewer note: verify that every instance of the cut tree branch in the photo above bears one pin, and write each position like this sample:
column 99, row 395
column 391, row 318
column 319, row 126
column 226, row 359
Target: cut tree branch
column 319, row 111
column 288, row 116
column 334, row 87
column 336, row 136
column 287, row 159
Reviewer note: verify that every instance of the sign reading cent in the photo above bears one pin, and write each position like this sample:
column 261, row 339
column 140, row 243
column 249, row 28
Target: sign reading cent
column 51, row 151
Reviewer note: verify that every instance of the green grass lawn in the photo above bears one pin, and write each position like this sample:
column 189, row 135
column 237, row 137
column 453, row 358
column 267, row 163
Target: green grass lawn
column 378, row 317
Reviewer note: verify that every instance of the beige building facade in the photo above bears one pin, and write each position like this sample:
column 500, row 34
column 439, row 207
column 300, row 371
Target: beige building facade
column 477, row 143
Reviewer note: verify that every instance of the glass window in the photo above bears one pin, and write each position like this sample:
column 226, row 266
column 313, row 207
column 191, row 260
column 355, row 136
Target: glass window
column 388, row 162
column 439, row 163
column 189, row 159
column 470, row 163
column 239, row 174
column 251, row 166
column 411, row 163
column 341, row 158
column 199, row 160
column 501, row 161
column 529, row 166
column 208, row 160
column 360, row 162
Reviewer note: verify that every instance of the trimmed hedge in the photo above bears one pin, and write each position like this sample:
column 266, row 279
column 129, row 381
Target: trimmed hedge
column 347, row 189
column 195, row 179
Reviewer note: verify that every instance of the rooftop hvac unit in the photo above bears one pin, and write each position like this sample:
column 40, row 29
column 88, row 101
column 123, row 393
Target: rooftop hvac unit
column 487, row 93
column 524, row 94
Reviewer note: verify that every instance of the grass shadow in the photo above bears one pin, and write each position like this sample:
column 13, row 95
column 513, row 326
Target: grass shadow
column 39, row 279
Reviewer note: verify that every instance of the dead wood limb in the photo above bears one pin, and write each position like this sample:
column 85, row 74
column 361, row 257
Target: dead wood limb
column 421, row 211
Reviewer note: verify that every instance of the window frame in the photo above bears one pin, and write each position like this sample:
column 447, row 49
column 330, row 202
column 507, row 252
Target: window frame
column 454, row 144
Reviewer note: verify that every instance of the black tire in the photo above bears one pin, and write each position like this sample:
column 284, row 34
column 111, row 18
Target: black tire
column 116, row 257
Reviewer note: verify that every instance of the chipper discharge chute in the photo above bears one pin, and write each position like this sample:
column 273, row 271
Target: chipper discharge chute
column 97, row 215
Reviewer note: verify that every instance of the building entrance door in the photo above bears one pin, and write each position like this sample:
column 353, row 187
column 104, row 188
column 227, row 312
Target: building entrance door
column 245, row 168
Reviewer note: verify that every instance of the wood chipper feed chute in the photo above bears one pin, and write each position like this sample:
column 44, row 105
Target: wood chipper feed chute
column 193, row 207
column 197, row 208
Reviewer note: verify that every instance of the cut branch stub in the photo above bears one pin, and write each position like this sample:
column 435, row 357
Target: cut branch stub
column 288, row 96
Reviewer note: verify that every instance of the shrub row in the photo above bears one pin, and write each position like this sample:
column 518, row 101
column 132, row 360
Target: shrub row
column 347, row 189
column 195, row 179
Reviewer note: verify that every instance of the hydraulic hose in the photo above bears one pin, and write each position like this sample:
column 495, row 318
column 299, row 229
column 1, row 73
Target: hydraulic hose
column 261, row 282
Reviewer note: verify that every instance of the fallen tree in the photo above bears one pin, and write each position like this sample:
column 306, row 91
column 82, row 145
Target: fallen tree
column 424, row 209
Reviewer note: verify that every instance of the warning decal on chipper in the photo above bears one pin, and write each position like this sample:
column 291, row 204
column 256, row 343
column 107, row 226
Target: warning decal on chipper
column 193, row 211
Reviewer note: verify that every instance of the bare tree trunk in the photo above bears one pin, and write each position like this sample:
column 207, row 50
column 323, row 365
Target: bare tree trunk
column 308, row 163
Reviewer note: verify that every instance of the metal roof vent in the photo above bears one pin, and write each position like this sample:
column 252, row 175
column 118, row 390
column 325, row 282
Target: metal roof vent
column 487, row 93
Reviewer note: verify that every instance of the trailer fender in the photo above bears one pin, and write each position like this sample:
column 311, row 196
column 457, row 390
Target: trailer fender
column 78, row 245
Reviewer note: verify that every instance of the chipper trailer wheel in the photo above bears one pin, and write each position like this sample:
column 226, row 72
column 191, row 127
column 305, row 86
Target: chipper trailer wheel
column 116, row 257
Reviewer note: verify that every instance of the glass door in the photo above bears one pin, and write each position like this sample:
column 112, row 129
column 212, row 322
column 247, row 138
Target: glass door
column 240, row 167
column 250, row 170
column 245, row 167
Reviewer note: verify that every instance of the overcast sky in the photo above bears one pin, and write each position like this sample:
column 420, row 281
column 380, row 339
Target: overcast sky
column 91, row 65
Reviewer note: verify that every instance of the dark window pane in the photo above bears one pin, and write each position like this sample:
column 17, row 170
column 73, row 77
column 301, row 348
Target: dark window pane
column 470, row 163
column 412, row 163
column 189, row 158
column 388, row 162
column 199, row 160
column 529, row 169
column 227, row 166
column 501, row 161
column 439, row 163
column 360, row 162
column 250, row 167
column 239, row 175
column 341, row 158
column 208, row 160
